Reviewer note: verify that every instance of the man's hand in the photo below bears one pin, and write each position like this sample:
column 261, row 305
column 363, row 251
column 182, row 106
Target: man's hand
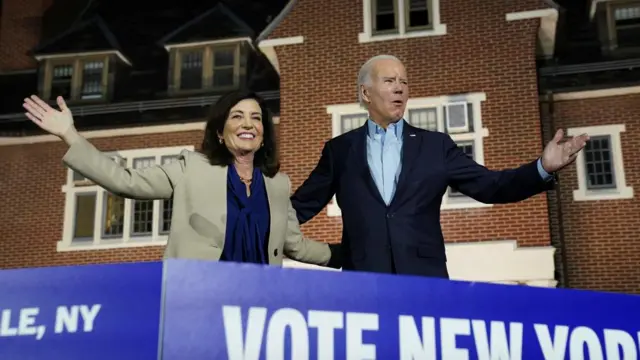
column 557, row 155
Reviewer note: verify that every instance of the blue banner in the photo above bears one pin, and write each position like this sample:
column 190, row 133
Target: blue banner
column 239, row 311
column 223, row 311
column 82, row 312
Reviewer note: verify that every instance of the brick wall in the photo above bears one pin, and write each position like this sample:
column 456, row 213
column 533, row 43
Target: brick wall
column 481, row 52
column 601, row 236
column 32, row 212
column 20, row 32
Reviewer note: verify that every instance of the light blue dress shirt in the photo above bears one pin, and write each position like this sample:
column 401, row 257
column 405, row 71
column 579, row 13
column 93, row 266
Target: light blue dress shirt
column 384, row 154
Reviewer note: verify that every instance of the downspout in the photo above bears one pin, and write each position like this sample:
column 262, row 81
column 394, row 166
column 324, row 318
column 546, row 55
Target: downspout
column 550, row 117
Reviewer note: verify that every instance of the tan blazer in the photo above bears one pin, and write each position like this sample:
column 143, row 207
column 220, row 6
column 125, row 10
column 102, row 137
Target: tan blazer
column 199, row 193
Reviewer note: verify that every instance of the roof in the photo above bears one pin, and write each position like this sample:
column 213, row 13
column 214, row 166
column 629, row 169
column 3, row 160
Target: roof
column 227, row 25
column 139, row 31
column 580, row 62
column 90, row 35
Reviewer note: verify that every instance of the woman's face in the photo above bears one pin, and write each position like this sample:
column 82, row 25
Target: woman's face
column 243, row 131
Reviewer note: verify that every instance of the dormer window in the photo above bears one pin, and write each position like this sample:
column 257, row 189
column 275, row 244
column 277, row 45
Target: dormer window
column 76, row 79
column 618, row 23
column 625, row 23
column 208, row 67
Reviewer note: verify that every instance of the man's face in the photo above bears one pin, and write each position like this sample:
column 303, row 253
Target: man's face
column 388, row 93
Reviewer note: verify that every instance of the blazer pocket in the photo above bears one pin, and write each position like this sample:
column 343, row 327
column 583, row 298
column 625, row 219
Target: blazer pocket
column 205, row 228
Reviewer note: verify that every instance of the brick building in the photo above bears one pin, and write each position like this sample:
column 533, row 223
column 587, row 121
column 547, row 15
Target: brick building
column 592, row 86
column 490, row 74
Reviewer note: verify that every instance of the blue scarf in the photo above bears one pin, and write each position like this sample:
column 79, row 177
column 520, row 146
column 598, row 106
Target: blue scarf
column 247, row 220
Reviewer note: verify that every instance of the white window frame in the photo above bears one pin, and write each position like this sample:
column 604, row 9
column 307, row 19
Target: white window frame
column 367, row 35
column 621, row 191
column 477, row 137
column 98, row 243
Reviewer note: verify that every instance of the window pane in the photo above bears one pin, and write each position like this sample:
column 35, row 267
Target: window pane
column 142, row 217
column 191, row 70
column 456, row 115
column 113, row 219
column 384, row 16
column 61, row 81
column 223, row 77
column 424, row 118
column 84, row 217
column 626, row 15
column 142, row 213
column 350, row 122
column 92, row 80
column 599, row 164
column 224, row 57
column 627, row 25
column 166, row 206
column 418, row 13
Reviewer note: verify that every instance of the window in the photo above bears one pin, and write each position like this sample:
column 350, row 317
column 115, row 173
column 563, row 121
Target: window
column 97, row 219
column 459, row 116
column 598, row 163
column 600, row 166
column 211, row 67
column 397, row 19
column 75, row 79
column 623, row 23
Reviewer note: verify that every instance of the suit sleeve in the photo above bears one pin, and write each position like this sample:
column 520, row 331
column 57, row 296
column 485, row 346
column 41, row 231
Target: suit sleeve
column 154, row 182
column 306, row 250
column 491, row 186
column 316, row 192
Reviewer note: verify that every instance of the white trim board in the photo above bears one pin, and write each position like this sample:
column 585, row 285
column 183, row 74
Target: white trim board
column 594, row 94
column 83, row 54
column 292, row 40
column 532, row 14
column 95, row 134
column 210, row 42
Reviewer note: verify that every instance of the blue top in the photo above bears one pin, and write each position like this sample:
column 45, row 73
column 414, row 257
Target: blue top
column 248, row 220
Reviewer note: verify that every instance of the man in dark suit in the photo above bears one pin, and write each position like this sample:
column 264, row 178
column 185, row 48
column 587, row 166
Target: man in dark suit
column 389, row 179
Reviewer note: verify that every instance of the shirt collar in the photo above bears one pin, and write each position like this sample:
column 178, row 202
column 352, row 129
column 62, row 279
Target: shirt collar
column 374, row 128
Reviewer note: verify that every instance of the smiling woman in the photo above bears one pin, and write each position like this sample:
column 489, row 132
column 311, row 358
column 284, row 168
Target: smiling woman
column 230, row 202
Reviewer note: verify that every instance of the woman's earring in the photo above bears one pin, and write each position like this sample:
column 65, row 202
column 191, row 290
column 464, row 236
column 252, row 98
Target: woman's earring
column 221, row 141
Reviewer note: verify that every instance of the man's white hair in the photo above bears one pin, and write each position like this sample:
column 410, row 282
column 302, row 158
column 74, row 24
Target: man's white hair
column 364, row 75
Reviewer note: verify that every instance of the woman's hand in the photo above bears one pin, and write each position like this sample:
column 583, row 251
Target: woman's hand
column 58, row 123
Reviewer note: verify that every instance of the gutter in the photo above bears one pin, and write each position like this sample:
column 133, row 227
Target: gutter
column 139, row 106
column 550, row 117
column 590, row 67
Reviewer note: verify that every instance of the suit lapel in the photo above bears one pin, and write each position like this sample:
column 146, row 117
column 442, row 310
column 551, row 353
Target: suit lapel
column 361, row 162
column 410, row 150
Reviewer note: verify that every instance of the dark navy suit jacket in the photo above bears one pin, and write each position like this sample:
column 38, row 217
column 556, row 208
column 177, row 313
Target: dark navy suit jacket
column 404, row 237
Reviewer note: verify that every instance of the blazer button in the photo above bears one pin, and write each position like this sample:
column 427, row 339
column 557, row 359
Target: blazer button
column 275, row 252
column 389, row 216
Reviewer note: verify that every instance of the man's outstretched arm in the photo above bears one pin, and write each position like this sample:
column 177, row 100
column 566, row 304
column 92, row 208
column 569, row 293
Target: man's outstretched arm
column 316, row 192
